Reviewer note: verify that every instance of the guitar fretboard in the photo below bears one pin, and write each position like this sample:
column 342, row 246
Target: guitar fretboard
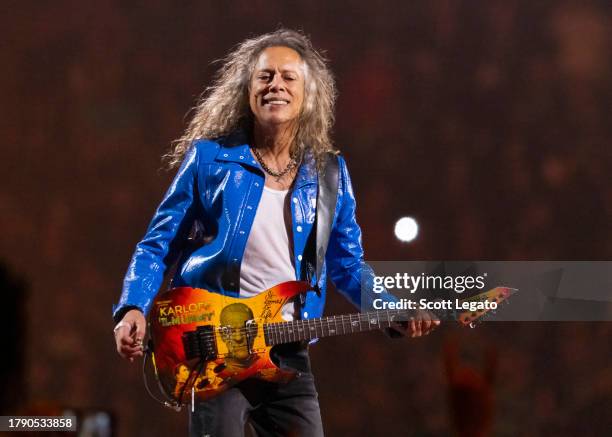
column 300, row 330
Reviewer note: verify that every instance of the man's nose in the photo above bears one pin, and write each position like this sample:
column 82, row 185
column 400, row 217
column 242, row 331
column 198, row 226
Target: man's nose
column 277, row 83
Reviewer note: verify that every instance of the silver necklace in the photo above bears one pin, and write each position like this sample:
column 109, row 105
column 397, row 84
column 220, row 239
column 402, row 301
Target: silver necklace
column 277, row 174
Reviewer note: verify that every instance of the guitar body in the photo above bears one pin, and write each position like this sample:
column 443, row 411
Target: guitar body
column 208, row 342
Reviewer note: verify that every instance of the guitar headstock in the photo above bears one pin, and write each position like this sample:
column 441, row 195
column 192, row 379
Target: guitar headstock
column 483, row 304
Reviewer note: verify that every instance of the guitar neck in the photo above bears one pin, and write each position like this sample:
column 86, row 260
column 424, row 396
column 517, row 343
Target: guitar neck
column 308, row 329
column 300, row 330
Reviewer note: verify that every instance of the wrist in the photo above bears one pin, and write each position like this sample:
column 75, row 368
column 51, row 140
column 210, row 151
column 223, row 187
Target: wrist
column 120, row 314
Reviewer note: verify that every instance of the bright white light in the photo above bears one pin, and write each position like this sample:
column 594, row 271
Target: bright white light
column 406, row 229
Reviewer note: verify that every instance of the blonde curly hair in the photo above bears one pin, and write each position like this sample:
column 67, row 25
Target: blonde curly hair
column 224, row 106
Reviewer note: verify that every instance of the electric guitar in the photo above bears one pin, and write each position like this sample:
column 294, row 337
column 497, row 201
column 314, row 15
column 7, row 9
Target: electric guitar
column 204, row 343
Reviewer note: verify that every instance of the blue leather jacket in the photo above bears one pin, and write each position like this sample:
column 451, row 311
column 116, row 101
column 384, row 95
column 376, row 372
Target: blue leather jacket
column 220, row 184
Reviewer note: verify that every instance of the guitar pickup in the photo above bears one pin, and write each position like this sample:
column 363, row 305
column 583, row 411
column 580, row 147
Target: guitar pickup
column 220, row 368
column 200, row 343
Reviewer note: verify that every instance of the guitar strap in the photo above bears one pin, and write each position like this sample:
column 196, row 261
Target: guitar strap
column 327, row 196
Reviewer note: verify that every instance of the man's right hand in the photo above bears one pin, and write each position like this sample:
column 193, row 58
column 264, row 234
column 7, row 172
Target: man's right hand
column 129, row 334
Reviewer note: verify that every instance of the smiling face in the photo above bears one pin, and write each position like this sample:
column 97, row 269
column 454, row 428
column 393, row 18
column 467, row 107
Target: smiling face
column 277, row 87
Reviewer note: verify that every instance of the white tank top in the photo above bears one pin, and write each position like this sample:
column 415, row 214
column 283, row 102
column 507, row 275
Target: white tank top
column 268, row 256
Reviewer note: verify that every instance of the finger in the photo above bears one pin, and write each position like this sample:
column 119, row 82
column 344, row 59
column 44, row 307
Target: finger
column 120, row 342
column 128, row 348
column 136, row 354
column 126, row 340
column 412, row 328
column 126, row 345
column 130, row 352
column 419, row 326
column 141, row 327
column 435, row 322
column 137, row 322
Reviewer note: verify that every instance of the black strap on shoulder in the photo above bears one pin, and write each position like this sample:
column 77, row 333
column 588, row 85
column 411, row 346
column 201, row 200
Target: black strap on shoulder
column 327, row 196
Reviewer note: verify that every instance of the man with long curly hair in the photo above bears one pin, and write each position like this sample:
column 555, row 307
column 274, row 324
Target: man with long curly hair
column 248, row 180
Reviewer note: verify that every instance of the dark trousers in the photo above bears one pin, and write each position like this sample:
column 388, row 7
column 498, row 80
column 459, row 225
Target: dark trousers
column 270, row 409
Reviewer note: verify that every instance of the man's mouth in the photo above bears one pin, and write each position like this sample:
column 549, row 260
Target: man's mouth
column 275, row 101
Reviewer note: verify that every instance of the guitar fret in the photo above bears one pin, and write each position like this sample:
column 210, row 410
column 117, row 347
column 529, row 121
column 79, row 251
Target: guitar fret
column 275, row 333
column 305, row 328
column 270, row 333
column 287, row 330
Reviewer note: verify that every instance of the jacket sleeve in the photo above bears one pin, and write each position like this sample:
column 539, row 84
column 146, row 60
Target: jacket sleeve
column 347, row 269
column 163, row 240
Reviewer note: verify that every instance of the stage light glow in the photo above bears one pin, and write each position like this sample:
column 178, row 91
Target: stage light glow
column 406, row 229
